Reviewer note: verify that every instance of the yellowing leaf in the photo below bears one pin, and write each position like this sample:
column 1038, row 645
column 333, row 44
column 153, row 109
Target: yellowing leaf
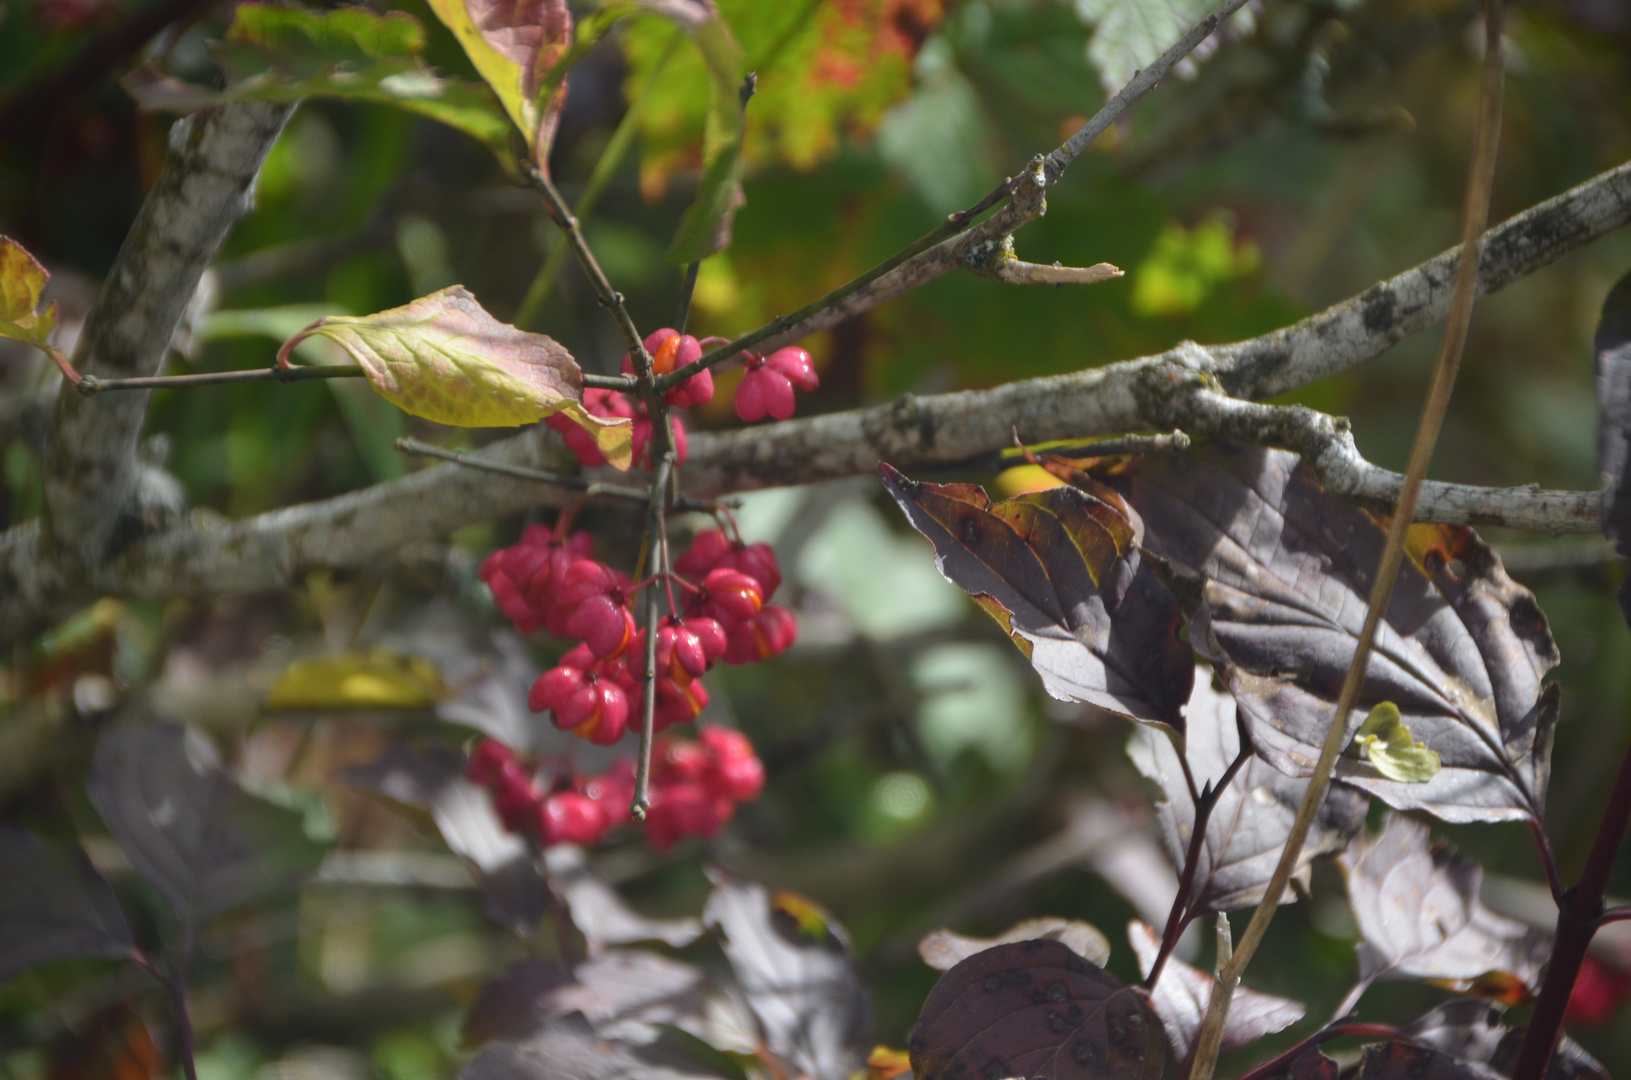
column 1022, row 479
column 376, row 679
column 21, row 279
column 1388, row 745
column 443, row 357
column 514, row 44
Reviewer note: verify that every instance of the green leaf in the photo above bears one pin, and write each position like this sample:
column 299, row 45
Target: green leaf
column 274, row 53
column 1388, row 744
column 443, row 357
column 514, row 45
column 21, row 280
column 705, row 227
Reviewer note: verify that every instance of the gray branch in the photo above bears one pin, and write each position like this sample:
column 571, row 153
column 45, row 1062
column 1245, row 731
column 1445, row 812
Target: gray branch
column 98, row 495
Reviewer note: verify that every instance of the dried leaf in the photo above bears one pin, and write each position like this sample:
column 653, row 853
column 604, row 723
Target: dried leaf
column 275, row 52
column 599, row 913
column 944, row 950
column 1077, row 595
column 53, row 906
column 1035, row 1009
column 1611, row 348
column 624, row 995
column 1252, row 816
column 431, row 778
column 514, row 45
column 1286, row 571
column 444, row 358
column 570, row 1049
column 1181, row 996
column 203, row 842
column 21, row 280
column 794, row 967
column 1418, row 910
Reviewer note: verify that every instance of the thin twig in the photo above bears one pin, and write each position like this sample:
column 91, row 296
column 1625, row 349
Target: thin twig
column 92, row 385
column 1479, row 182
column 655, row 530
column 591, row 488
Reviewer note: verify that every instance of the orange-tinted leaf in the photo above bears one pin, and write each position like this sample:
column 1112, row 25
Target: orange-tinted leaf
column 443, row 357
column 886, row 1063
column 1062, row 567
column 21, row 279
column 1035, row 1009
column 115, row 1045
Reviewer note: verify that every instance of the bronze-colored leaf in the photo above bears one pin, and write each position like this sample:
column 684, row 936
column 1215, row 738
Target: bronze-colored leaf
column 443, row 357
column 1063, row 567
column 514, row 45
column 1285, row 577
column 1035, row 1009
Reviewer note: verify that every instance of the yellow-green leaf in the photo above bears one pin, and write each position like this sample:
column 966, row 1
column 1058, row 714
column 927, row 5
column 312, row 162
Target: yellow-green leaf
column 375, row 679
column 443, row 357
column 514, row 45
column 21, row 279
column 1388, row 744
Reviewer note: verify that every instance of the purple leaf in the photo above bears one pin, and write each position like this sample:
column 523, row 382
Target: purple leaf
column 624, row 995
column 53, row 906
column 571, row 1049
column 599, row 913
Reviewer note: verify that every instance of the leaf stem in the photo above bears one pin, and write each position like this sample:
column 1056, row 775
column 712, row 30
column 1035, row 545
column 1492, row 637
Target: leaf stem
column 593, row 489
column 688, row 287
column 656, row 528
column 1577, row 922
column 1479, row 182
column 1548, row 860
column 176, row 988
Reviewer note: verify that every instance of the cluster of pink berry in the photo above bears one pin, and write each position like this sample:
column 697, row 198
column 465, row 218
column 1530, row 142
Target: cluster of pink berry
column 694, row 789
column 766, row 390
column 549, row 582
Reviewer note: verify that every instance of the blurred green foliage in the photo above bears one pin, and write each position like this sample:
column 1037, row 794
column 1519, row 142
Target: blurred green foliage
column 913, row 762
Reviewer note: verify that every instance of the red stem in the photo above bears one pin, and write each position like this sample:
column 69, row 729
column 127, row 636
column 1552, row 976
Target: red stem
column 1577, row 921
column 1548, row 861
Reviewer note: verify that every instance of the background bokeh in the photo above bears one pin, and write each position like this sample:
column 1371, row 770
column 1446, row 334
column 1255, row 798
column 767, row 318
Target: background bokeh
column 917, row 775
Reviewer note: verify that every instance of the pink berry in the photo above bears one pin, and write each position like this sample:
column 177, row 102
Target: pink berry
column 793, row 363
column 488, row 762
column 568, row 818
column 730, row 596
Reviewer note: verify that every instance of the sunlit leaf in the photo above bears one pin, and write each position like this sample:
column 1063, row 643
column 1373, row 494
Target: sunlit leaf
column 1063, row 567
column 275, row 52
column 794, row 967
column 1286, row 570
column 21, row 280
column 431, row 778
column 1252, row 816
column 624, row 994
column 203, row 842
column 1035, row 1009
column 514, row 44
column 1129, row 34
column 1612, row 349
column 1182, row 993
column 1418, row 911
column 444, row 358
column 944, row 950
column 373, row 679
column 53, row 906
column 1388, row 744
column 599, row 913
column 1472, row 1030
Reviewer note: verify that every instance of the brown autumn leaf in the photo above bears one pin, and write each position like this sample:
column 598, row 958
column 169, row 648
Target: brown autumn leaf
column 1035, row 1009
column 1060, row 571
column 443, row 357
column 1285, row 570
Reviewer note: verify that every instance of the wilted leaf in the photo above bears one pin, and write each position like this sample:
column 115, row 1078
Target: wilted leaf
column 1472, row 1030
column 1612, row 350
column 1286, row 576
column 1129, row 34
column 570, row 1049
column 514, row 44
column 21, row 280
column 204, row 843
column 1252, row 816
column 599, row 912
column 1072, row 585
column 1181, row 996
column 944, row 950
column 794, row 967
column 1035, row 1009
column 444, row 358
column 373, row 679
column 1418, row 910
column 275, row 52
column 431, row 778
column 53, row 906
column 624, row 995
